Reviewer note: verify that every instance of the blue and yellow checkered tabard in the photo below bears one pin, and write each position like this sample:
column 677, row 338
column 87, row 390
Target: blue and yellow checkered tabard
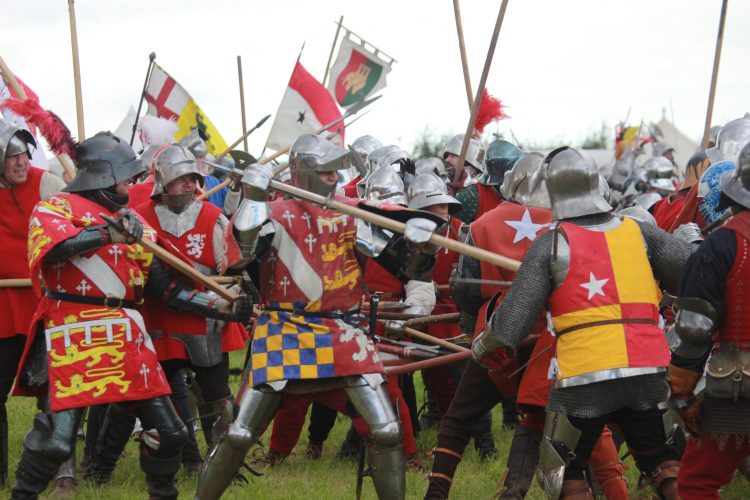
column 287, row 346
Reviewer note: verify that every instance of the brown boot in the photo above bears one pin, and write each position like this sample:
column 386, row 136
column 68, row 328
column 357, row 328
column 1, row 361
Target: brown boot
column 664, row 479
column 314, row 450
column 65, row 487
column 576, row 489
column 270, row 459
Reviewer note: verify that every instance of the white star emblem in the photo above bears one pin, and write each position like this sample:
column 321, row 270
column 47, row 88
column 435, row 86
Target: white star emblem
column 525, row 228
column 594, row 286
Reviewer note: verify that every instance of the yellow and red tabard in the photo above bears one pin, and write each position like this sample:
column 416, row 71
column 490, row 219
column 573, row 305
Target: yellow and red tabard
column 95, row 354
column 605, row 312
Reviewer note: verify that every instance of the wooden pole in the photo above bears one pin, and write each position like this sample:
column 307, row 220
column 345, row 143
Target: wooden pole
column 333, row 47
column 433, row 340
column 396, row 226
column 10, row 78
column 15, row 283
column 76, row 69
column 428, row 363
column 435, row 318
column 480, row 91
column 151, row 59
column 242, row 102
column 714, row 75
column 462, row 49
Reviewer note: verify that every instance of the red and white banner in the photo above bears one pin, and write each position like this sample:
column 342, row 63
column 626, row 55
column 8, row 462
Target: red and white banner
column 306, row 107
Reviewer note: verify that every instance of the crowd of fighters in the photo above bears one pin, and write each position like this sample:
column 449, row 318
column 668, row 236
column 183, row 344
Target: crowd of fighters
column 625, row 329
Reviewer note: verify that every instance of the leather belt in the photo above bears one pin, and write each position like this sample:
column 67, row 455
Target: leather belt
column 111, row 302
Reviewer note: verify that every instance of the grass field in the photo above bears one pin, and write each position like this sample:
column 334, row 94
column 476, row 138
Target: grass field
column 298, row 478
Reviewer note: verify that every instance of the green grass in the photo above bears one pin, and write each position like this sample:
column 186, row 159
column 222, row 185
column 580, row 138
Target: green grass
column 303, row 479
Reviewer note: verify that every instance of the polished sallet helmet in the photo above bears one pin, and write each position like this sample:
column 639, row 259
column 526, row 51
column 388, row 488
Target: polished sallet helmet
column 573, row 184
column 428, row 189
column 311, row 155
column 170, row 164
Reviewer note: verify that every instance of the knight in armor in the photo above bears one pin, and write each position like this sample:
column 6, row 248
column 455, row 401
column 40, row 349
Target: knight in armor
column 711, row 333
column 666, row 210
column 202, row 234
column 383, row 185
column 508, row 229
column 226, row 199
column 360, row 150
column 88, row 343
column 729, row 141
column 593, row 272
column 481, row 197
column 306, row 340
column 473, row 165
column 21, row 187
column 398, row 159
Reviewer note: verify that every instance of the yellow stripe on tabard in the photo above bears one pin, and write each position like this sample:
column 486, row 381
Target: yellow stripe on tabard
column 590, row 315
column 591, row 350
column 632, row 270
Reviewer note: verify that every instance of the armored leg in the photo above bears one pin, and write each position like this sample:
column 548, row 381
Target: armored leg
column 216, row 417
column 522, row 461
column 114, row 434
column 255, row 408
column 388, row 467
column 161, row 464
column 48, row 444
column 65, row 481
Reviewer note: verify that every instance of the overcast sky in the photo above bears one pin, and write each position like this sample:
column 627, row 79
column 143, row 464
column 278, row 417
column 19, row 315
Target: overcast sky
column 561, row 67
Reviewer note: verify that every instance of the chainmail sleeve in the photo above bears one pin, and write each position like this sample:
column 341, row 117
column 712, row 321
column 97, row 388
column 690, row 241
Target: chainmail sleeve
column 527, row 297
column 667, row 254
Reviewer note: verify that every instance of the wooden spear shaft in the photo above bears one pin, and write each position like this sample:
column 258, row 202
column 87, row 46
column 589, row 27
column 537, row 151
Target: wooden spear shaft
column 428, row 363
column 714, row 75
column 15, row 283
column 333, row 47
column 10, row 78
column 433, row 340
column 396, row 226
column 462, row 49
column 480, row 91
column 76, row 69
column 242, row 102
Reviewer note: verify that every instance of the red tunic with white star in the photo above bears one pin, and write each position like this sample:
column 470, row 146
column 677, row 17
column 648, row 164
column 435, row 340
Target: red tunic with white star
column 509, row 229
column 95, row 354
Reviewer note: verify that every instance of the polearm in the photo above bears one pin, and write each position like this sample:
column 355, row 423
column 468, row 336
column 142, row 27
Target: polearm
column 462, row 49
column 15, row 283
column 76, row 69
column 174, row 262
column 480, row 91
column 428, row 363
column 714, row 75
column 333, row 47
column 151, row 59
column 10, row 78
column 242, row 102
column 244, row 136
column 396, row 226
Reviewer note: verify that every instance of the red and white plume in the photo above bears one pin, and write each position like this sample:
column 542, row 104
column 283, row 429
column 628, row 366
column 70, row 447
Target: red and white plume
column 52, row 128
column 490, row 110
column 156, row 131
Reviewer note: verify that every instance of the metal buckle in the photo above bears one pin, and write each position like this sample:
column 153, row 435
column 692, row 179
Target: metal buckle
column 117, row 304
